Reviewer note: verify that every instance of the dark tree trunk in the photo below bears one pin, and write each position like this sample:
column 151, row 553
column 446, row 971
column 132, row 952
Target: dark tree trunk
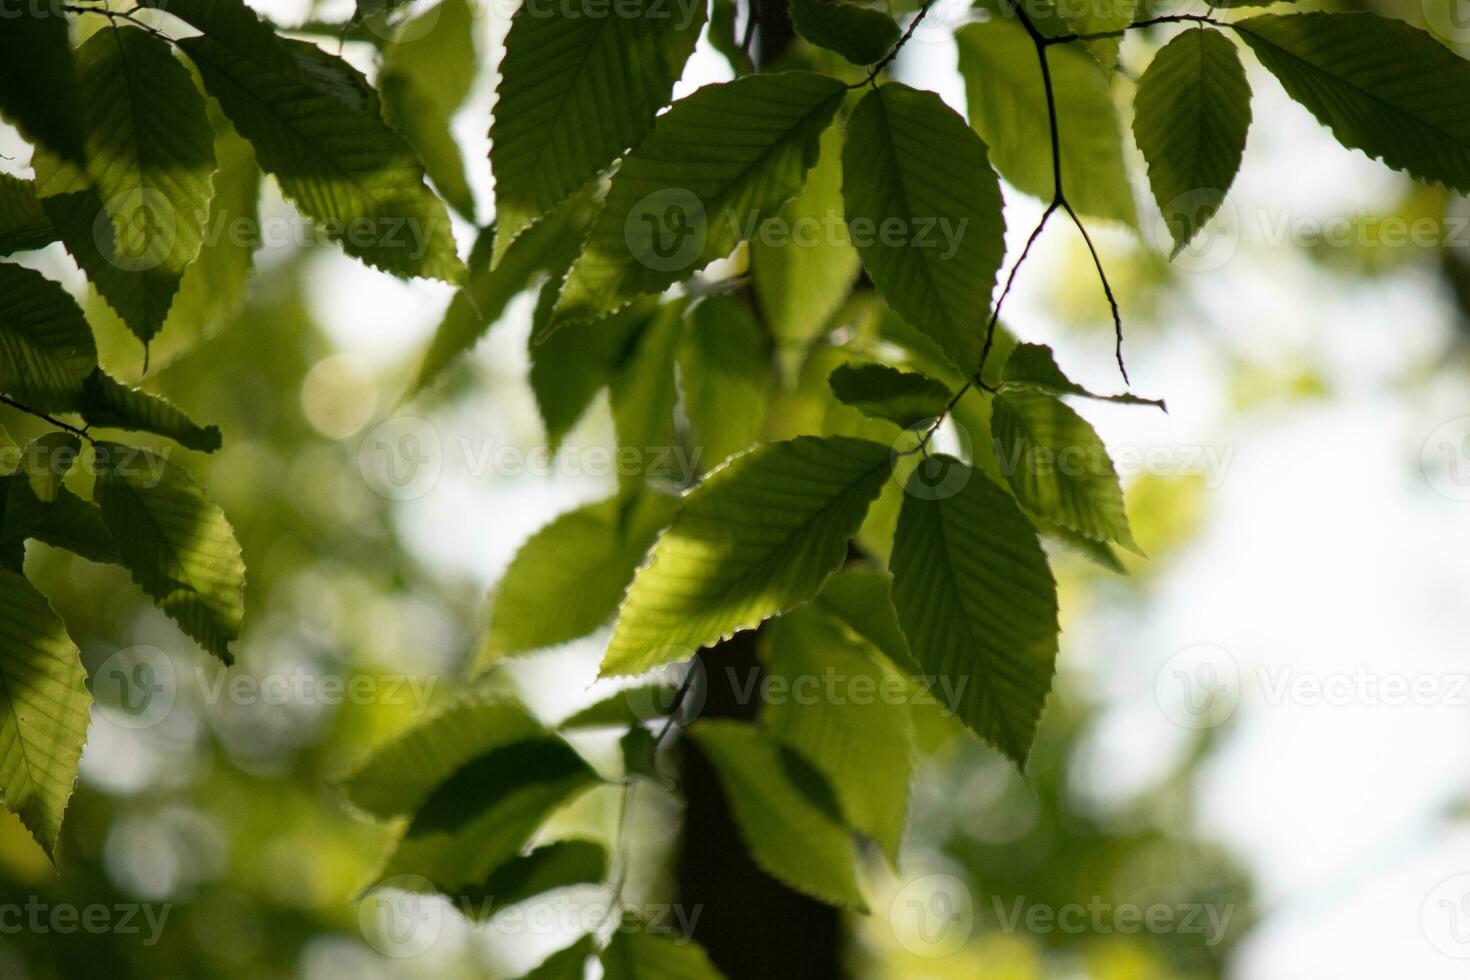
column 752, row 925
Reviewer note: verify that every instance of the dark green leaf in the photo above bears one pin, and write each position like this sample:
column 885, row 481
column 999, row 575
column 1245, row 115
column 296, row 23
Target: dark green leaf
column 1058, row 467
column 38, row 87
column 110, row 405
column 976, row 600
column 1034, row 367
column 1381, row 86
column 861, row 35
column 46, row 348
column 23, row 222
column 905, row 398
column 579, row 86
column 924, row 210
column 635, row 953
column 560, row 864
column 1190, row 118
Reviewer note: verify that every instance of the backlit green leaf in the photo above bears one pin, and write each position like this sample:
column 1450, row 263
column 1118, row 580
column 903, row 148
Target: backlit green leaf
column 759, row 536
column 46, row 347
column 904, row 398
column 726, row 372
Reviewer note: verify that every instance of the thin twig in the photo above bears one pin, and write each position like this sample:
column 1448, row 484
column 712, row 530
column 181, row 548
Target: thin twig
column 1152, row 21
column 1107, row 289
column 897, row 46
column 7, row 400
column 1011, row 281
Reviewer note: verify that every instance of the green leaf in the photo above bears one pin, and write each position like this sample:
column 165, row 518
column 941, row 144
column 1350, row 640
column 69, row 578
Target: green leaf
column 758, row 537
column 568, row 579
column 924, row 210
column 483, row 815
column 76, row 525
column 726, row 373
column 1381, row 86
column 572, row 362
column 150, row 160
column 38, row 87
column 560, row 864
column 904, row 398
column 46, row 460
column 1190, row 118
column 565, row 964
column 175, row 541
column 976, row 600
column 1033, row 367
column 23, row 510
column 861, row 601
column 848, row 713
column 861, row 35
column 1099, row 17
column 46, row 348
column 642, row 396
column 427, row 73
column 110, row 405
column 635, row 953
column 715, row 165
column 548, row 248
column 331, row 152
column 44, row 710
column 578, row 88
column 802, row 276
column 790, row 830
column 628, row 707
column 1058, row 467
column 23, row 222
column 400, row 774
column 1008, row 109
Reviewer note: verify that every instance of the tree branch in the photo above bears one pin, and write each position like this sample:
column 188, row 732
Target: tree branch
column 7, row 400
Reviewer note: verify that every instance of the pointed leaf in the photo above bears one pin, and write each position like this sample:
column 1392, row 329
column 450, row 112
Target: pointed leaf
column 1190, row 117
column 110, row 405
column 924, row 210
column 1058, row 467
column 1034, row 367
column 848, row 713
column 1008, row 109
column 569, row 578
column 1381, row 86
column 715, row 165
column 175, row 541
column 790, row 831
column 46, row 460
column 398, row 775
column 904, row 398
column 578, row 88
column 46, row 347
column 44, row 710
column 76, row 525
column 313, row 129
column 861, row 35
column 862, row 601
column 135, row 220
column 976, row 600
column 759, row 536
